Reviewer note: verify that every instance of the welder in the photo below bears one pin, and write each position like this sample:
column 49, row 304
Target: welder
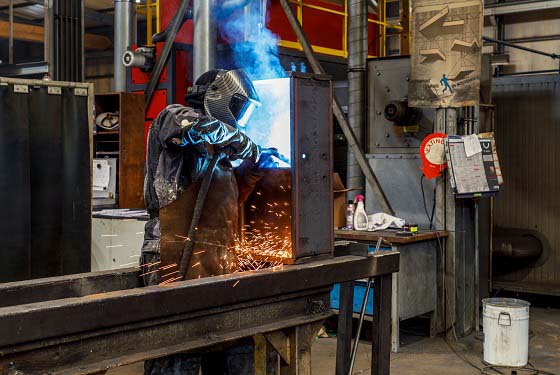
column 181, row 142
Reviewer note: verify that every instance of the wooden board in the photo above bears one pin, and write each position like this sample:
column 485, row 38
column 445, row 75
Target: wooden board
column 388, row 235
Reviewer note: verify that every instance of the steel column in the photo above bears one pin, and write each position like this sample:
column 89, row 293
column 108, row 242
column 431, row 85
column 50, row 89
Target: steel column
column 357, row 60
column 125, row 36
column 204, row 43
column 456, row 217
column 11, row 32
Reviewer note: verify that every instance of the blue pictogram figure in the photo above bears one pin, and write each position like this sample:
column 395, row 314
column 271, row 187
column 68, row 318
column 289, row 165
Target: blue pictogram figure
column 445, row 82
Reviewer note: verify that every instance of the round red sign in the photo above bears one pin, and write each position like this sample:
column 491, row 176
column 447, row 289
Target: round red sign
column 432, row 152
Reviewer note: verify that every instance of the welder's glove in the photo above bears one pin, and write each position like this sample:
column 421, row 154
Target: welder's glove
column 267, row 161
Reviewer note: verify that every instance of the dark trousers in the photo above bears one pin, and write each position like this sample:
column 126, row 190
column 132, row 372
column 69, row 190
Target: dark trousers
column 237, row 360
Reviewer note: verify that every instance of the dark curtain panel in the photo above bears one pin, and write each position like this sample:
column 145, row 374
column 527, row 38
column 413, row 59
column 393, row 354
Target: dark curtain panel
column 45, row 190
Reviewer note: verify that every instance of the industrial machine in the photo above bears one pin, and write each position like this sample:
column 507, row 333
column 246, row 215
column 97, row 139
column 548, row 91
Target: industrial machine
column 393, row 140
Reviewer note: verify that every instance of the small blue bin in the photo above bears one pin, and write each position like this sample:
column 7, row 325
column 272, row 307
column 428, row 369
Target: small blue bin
column 359, row 292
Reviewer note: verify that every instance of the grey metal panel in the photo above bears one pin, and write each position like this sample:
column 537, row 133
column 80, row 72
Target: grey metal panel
column 527, row 134
column 388, row 81
column 399, row 175
column 312, row 193
column 416, row 280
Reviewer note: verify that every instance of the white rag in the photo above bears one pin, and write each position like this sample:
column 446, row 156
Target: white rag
column 381, row 221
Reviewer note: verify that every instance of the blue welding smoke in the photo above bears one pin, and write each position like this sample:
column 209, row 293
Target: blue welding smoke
column 254, row 47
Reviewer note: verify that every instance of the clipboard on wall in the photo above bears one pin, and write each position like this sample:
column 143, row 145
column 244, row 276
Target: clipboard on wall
column 478, row 175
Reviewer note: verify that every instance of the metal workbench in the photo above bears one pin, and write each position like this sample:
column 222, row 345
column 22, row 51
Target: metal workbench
column 414, row 290
column 88, row 323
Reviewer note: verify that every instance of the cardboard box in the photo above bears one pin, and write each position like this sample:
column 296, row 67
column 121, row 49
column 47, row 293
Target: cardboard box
column 339, row 202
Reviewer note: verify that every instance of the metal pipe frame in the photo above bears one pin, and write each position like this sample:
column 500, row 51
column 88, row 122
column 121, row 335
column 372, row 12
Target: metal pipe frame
column 125, row 36
column 523, row 48
column 204, row 43
column 126, row 325
column 357, row 72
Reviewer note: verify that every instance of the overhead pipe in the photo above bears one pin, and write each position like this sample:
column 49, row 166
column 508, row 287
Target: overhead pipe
column 357, row 72
column 125, row 36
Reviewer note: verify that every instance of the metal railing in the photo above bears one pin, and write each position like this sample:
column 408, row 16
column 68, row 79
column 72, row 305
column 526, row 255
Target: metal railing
column 343, row 52
column 148, row 9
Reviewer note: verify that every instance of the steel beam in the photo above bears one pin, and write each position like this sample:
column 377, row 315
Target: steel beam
column 132, row 325
column 94, row 351
column 70, row 286
column 54, row 318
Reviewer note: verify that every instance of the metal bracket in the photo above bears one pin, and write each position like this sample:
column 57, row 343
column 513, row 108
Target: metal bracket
column 79, row 91
column 21, row 89
column 393, row 156
column 54, row 90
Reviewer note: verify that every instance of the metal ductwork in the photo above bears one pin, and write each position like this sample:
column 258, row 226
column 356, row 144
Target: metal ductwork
column 125, row 36
column 204, row 44
column 357, row 64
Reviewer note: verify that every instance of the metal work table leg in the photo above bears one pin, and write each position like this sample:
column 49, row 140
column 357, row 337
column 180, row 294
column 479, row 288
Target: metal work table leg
column 381, row 335
column 344, row 331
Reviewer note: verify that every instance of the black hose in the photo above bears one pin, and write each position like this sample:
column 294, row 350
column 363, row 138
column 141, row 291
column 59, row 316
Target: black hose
column 164, row 55
column 162, row 35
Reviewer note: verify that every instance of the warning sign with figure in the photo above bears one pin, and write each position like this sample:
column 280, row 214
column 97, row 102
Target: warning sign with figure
column 446, row 53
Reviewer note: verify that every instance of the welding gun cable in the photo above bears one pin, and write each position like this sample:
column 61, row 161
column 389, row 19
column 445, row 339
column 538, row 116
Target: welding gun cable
column 164, row 55
column 197, row 213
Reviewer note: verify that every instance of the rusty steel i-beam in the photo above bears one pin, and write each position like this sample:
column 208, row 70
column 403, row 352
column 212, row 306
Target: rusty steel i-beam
column 84, row 324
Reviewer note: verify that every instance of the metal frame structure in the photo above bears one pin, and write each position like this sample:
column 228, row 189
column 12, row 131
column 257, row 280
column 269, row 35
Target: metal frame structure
column 381, row 22
column 44, row 330
column 148, row 9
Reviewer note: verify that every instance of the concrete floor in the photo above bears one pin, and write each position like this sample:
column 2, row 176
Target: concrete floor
column 422, row 355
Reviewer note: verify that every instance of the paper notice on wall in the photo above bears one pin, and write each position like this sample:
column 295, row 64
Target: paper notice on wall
column 446, row 53
column 472, row 145
column 471, row 175
column 101, row 174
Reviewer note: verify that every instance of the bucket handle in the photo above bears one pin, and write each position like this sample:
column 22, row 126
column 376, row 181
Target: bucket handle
column 506, row 319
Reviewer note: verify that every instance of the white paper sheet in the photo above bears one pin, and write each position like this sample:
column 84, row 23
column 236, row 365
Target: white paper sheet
column 101, row 174
column 472, row 145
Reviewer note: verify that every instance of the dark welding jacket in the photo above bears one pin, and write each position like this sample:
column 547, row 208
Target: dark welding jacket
column 179, row 142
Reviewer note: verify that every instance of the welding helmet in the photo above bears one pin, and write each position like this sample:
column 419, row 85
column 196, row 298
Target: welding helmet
column 230, row 97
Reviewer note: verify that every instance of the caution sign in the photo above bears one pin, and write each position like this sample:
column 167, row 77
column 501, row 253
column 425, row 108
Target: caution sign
column 432, row 152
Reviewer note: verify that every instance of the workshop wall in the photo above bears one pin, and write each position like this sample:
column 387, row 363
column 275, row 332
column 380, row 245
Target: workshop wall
column 527, row 135
column 538, row 30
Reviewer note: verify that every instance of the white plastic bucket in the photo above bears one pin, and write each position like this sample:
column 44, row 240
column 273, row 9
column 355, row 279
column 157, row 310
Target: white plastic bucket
column 506, row 331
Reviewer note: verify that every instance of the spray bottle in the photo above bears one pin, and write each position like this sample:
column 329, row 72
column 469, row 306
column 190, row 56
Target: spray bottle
column 350, row 215
column 360, row 216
